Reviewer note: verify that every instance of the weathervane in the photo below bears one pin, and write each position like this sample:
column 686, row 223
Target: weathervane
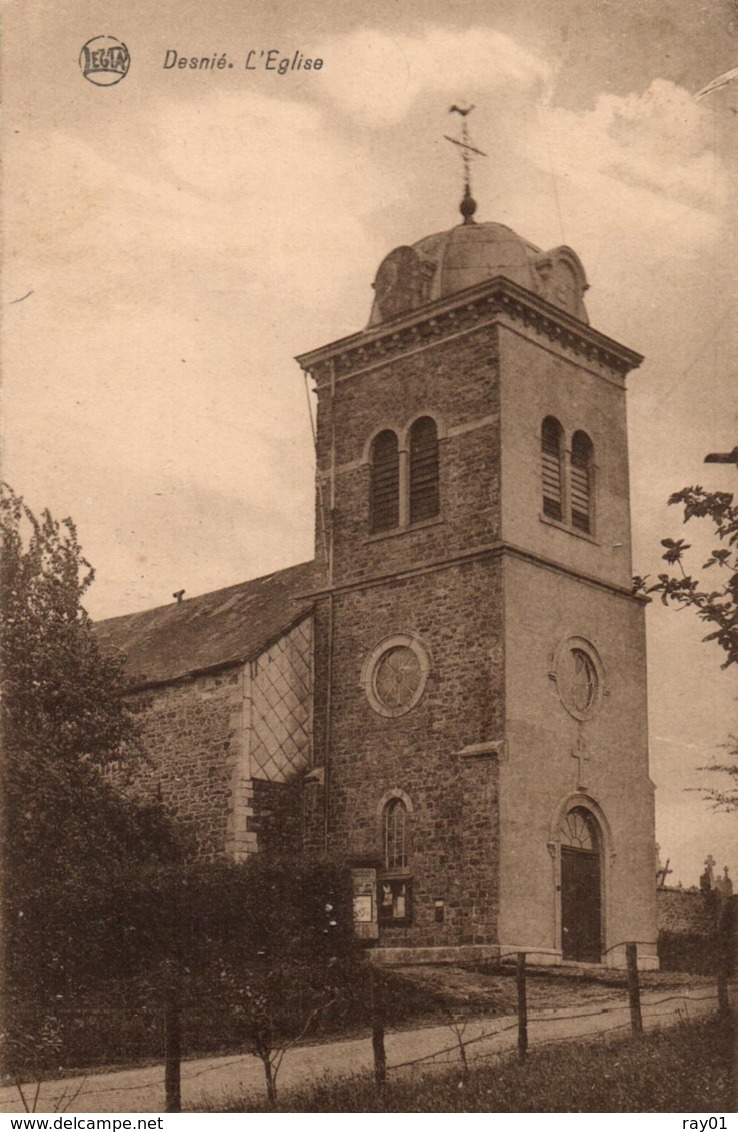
column 468, row 205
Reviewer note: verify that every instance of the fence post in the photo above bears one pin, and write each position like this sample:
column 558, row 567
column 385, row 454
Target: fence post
column 380, row 1057
column 722, row 992
column 723, row 959
column 634, row 988
column 172, row 1054
column 522, row 1008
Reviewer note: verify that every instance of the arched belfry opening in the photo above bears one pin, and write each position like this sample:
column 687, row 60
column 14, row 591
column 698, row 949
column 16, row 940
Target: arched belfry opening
column 581, row 887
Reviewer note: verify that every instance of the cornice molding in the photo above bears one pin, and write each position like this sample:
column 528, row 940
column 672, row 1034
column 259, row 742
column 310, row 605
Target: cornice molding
column 485, row 304
column 490, row 550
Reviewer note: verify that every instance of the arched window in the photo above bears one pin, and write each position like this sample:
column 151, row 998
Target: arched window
column 385, row 490
column 551, row 459
column 424, row 495
column 582, row 463
column 395, row 881
column 396, row 839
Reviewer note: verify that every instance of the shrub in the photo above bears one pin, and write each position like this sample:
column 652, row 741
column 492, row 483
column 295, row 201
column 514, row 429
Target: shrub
column 687, row 951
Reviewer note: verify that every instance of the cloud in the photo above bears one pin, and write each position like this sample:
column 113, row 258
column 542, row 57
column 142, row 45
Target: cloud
column 254, row 190
column 633, row 184
column 175, row 274
column 654, row 143
column 377, row 77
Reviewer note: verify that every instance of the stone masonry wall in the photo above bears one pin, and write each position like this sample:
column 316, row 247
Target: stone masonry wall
column 682, row 910
column 456, row 614
column 276, row 816
column 697, row 930
column 192, row 733
column 452, row 605
column 456, row 383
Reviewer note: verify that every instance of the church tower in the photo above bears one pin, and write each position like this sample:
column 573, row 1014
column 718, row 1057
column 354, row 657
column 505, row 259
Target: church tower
column 480, row 733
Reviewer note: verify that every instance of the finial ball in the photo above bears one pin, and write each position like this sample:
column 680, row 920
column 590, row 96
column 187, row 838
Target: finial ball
column 468, row 207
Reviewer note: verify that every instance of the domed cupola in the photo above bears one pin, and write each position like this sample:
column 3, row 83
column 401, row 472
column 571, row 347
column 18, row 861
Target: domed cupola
column 471, row 253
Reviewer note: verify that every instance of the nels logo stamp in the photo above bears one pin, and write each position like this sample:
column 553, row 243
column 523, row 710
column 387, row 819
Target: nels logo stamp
column 104, row 60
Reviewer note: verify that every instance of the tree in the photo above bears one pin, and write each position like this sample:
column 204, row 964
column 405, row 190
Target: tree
column 716, row 607
column 102, row 894
column 66, row 831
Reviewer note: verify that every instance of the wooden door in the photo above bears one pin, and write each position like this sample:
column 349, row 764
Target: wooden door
column 581, row 905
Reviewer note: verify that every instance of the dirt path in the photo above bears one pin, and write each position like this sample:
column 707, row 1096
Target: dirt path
column 210, row 1081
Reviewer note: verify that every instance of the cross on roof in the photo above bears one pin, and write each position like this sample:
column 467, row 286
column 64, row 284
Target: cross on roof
column 468, row 205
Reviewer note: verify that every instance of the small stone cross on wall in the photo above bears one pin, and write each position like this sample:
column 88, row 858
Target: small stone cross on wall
column 580, row 754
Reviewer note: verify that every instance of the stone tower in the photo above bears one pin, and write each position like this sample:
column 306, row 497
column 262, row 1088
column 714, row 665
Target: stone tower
column 479, row 727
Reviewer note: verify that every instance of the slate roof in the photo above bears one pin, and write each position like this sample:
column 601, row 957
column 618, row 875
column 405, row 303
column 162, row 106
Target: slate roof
column 229, row 625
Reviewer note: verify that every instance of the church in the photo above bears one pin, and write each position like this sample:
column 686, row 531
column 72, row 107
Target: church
column 452, row 695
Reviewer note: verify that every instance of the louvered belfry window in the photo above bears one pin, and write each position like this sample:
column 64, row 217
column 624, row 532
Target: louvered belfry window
column 551, row 435
column 581, row 481
column 424, row 494
column 385, row 499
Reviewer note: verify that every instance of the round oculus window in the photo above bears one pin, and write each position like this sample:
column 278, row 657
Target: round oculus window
column 579, row 677
column 397, row 677
column 395, row 674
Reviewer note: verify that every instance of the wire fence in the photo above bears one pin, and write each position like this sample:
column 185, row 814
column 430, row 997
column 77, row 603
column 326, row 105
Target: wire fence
column 601, row 1031
column 564, row 1016
column 474, row 1038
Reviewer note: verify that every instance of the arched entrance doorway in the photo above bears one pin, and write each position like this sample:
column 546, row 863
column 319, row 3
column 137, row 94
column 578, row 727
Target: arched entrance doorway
column 581, row 887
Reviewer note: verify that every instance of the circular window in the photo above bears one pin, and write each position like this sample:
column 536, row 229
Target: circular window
column 397, row 677
column 579, row 677
column 395, row 673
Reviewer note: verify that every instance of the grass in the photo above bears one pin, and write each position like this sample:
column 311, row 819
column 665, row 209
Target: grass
column 688, row 1068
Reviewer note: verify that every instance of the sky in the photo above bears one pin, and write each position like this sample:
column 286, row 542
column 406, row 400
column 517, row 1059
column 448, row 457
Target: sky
column 173, row 241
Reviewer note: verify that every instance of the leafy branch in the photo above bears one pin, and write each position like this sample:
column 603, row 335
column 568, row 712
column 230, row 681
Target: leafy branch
column 717, row 607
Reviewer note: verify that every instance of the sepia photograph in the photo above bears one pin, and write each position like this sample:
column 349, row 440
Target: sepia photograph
column 369, row 579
